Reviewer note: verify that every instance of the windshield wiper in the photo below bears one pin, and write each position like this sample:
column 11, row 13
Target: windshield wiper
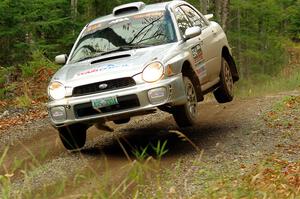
column 121, row 48
column 125, row 48
column 88, row 57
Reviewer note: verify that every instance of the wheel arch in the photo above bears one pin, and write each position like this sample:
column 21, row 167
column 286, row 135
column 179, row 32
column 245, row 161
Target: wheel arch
column 227, row 55
column 188, row 71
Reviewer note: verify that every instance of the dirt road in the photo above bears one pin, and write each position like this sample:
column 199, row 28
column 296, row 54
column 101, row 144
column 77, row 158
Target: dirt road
column 227, row 134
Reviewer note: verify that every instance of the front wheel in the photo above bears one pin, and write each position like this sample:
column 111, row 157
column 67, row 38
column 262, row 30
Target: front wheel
column 186, row 115
column 73, row 137
column 225, row 92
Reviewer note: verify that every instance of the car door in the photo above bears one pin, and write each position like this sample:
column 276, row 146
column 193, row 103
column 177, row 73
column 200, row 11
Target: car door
column 207, row 43
column 193, row 45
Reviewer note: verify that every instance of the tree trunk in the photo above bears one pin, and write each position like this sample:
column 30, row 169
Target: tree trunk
column 222, row 12
column 239, row 48
column 74, row 11
column 225, row 13
column 204, row 6
column 218, row 9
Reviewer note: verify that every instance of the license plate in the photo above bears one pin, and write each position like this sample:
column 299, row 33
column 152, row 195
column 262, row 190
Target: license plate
column 104, row 102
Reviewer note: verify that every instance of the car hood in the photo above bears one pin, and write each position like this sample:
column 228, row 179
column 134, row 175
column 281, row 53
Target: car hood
column 112, row 66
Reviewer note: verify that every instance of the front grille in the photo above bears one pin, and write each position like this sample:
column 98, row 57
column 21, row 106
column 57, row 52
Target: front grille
column 125, row 102
column 111, row 85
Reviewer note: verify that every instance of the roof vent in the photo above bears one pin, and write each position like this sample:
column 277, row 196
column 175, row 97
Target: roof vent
column 127, row 8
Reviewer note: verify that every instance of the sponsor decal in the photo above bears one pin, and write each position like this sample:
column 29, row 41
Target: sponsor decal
column 91, row 28
column 197, row 54
column 152, row 14
column 118, row 21
column 100, row 69
column 201, row 70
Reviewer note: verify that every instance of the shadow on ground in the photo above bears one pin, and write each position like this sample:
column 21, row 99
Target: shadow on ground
column 204, row 135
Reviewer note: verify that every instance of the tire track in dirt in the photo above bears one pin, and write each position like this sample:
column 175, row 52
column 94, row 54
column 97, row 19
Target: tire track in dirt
column 225, row 126
column 40, row 147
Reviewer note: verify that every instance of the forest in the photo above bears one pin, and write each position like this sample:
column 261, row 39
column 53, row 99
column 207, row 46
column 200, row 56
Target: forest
column 248, row 148
column 32, row 33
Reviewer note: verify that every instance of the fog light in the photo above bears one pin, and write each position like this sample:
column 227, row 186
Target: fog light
column 157, row 95
column 58, row 113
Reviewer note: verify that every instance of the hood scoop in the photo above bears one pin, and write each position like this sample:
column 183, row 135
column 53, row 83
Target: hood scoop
column 128, row 8
column 110, row 58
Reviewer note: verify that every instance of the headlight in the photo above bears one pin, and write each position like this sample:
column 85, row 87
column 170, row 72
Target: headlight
column 153, row 72
column 56, row 90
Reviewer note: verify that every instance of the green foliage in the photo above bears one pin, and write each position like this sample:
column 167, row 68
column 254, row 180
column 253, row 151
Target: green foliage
column 282, row 116
column 160, row 149
column 256, row 30
column 292, row 7
column 257, row 35
column 23, row 101
column 280, row 105
column 4, row 75
column 261, row 84
column 8, row 75
column 4, row 181
column 26, row 25
column 141, row 154
column 6, row 91
column 38, row 61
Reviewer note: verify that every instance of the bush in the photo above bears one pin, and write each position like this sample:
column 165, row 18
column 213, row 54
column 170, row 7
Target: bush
column 38, row 61
column 23, row 101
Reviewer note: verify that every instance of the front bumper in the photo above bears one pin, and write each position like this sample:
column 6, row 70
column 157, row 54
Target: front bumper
column 132, row 100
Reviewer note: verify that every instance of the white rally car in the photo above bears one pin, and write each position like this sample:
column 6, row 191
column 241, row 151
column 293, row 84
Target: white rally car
column 135, row 60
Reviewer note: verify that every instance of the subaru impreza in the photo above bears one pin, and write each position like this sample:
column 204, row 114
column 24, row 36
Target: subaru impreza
column 136, row 60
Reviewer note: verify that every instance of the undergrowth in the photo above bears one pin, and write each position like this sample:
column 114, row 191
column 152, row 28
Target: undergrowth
column 142, row 177
column 138, row 171
column 260, row 85
column 23, row 84
column 272, row 178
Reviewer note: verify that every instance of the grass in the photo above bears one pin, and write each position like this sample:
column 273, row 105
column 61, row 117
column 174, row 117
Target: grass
column 137, row 171
column 37, row 62
column 262, row 84
column 284, row 114
column 26, row 82
column 274, row 177
column 23, row 101
column 287, row 79
column 144, row 176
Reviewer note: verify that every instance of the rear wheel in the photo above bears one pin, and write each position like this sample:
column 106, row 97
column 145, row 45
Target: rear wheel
column 186, row 115
column 225, row 92
column 73, row 136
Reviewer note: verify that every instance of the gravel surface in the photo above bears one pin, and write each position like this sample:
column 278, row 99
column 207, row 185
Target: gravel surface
column 229, row 135
column 24, row 132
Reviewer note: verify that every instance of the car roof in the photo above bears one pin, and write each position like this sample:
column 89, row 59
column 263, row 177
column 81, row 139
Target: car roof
column 156, row 7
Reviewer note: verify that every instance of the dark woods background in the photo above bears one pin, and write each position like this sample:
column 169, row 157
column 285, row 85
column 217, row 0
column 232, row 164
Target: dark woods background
column 259, row 31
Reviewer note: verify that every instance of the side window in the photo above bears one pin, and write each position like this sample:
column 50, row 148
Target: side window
column 182, row 21
column 193, row 16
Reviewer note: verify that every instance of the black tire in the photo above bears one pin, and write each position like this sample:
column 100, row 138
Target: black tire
column 122, row 121
column 73, row 137
column 186, row 115
column 225, row 92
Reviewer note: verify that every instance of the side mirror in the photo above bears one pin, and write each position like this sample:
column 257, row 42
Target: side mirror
column 192, row 32
column 61, row 59
column 209, row 16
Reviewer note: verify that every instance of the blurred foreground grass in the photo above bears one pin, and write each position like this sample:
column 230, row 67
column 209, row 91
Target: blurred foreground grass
column 273, row 176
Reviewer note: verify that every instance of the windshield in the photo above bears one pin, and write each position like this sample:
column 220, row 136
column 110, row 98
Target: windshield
column 138, row 31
